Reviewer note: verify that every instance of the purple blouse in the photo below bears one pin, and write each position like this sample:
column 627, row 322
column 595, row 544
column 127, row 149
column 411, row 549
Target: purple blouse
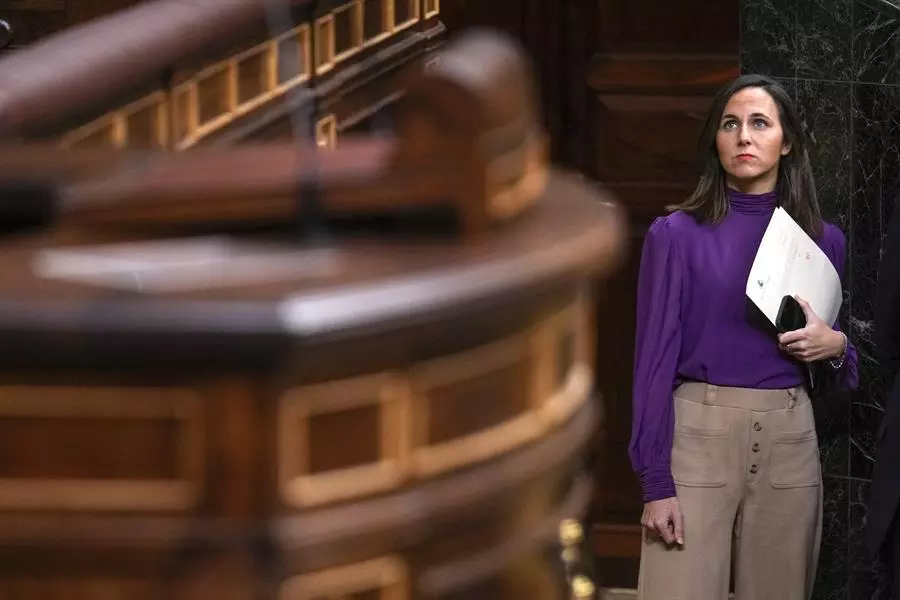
column 692, row 324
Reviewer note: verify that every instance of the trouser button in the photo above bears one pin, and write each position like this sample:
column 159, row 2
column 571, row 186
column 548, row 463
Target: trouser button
column 754, row 468
column 755, row 447
column 757, row 426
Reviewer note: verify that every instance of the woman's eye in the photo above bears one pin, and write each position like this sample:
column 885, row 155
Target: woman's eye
column 759, row 123
column 729, row 125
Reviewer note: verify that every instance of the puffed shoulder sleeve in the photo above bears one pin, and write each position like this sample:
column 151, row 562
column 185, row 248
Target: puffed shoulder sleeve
column 657, row 345
column 846, row 373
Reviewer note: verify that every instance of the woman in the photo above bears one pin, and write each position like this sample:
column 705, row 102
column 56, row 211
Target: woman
column 723, row 435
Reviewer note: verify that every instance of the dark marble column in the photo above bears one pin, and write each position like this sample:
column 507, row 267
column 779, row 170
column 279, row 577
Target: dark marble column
column 841, row 61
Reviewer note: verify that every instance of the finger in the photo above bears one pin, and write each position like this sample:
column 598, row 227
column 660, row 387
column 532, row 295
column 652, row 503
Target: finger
column 678, row 520
column 662, row 526
column 791, row 336
column 794, row 348
column 800, row 354
column 811, row 353
column 807, row 309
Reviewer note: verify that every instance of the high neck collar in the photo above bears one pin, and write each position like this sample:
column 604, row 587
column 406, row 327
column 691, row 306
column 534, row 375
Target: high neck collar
column 752, row 204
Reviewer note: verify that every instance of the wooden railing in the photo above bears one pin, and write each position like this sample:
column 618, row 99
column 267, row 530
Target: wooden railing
column 192, row 103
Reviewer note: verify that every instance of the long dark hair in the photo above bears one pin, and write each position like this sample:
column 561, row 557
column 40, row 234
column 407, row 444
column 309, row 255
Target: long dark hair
column 795, row 187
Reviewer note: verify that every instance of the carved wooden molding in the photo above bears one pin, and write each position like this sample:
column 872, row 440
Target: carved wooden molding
column 326, row 133
column 432, row 8
column 352, row 16
column 387, row 578
column 549, row 403
column 565, row 386
column 413, row 9
column 179, row 119
column 431, row 458
column 553, row 356
column 116, row 128
column 300, row 37
column 384, row 11
column 108, row 404
column 300, row 487
column 324, row 44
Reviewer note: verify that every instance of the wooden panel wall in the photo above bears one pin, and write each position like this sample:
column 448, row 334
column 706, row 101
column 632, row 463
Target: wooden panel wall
column 625, row 85
column 653, row 69
column 556, row 37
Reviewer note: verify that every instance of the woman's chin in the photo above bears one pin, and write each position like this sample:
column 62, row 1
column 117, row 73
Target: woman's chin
column 746, row 173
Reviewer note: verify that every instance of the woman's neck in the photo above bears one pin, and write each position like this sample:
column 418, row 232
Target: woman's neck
column 762, row 184
column 752, row 204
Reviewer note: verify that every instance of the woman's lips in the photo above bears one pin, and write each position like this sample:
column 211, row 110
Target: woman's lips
column 745, row 157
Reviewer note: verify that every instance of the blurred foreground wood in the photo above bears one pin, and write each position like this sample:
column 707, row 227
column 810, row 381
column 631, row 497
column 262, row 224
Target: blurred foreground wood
column 234, row 364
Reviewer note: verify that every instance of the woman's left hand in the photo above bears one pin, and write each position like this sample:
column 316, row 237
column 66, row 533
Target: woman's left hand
column 816, row 341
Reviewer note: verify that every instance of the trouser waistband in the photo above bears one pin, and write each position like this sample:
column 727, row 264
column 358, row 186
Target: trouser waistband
column 745, row 398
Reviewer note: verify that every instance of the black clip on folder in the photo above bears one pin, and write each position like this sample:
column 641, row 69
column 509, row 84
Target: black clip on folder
column 790, row 318
column 790, row 315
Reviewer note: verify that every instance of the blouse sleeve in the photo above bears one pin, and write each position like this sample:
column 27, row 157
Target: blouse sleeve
column 846, row 376
column 657, row 345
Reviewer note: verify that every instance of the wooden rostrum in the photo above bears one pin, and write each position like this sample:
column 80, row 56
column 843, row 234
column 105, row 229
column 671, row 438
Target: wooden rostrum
column 197, row 401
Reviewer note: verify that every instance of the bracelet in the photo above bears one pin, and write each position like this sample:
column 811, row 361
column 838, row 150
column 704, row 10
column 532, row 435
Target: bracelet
column 835, row 363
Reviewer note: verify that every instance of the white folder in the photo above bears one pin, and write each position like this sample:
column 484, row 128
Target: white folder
column 788, row 262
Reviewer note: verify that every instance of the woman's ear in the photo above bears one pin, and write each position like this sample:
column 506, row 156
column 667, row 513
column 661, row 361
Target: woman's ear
column 785, row 149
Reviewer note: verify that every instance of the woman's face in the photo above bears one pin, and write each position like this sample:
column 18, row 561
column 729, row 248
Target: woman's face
column 750, row 141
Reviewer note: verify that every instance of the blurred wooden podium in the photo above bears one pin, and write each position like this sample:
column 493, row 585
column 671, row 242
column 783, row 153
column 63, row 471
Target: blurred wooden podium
column 238, row 363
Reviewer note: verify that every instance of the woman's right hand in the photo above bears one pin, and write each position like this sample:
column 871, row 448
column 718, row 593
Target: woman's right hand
column 664, row 518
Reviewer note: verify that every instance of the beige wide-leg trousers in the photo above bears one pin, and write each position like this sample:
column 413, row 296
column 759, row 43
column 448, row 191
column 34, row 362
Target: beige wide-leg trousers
column 748, row 479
